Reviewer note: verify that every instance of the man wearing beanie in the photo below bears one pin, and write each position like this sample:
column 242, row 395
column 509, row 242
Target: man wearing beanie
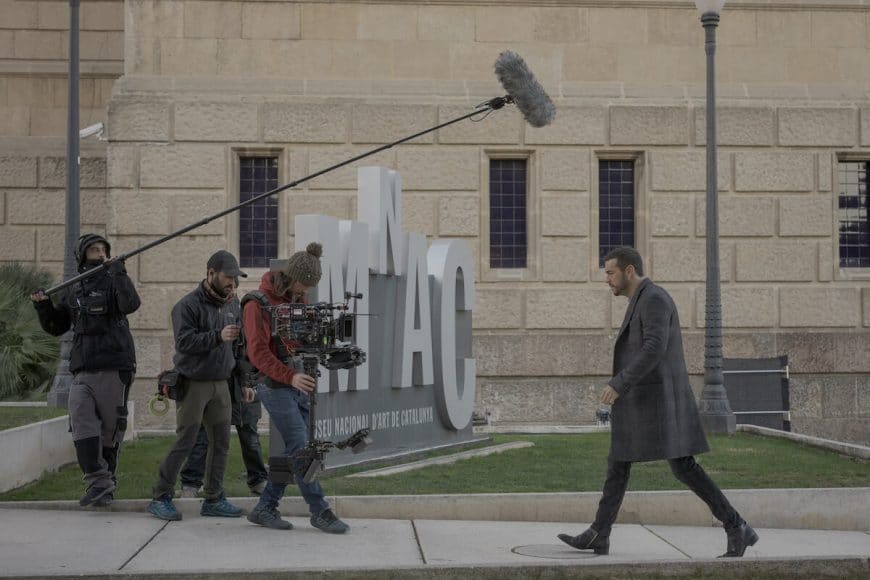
column 205, row 325
column 285, row 387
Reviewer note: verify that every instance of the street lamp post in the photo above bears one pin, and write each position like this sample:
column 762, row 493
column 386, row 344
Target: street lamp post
column 58, row 396
column 716, row 414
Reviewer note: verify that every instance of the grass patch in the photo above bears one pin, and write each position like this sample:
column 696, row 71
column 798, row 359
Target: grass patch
column 557, row 463
column 17, row 416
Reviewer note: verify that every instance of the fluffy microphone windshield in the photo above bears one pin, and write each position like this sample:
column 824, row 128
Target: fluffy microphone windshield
column 525, row 90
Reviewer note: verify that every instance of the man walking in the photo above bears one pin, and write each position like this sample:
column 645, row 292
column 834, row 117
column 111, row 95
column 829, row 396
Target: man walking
column 245, row 418
column 102, row 361
column 205, row 324
column 654, row 415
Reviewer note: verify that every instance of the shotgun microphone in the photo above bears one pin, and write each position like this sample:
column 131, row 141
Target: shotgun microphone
column 523, row 89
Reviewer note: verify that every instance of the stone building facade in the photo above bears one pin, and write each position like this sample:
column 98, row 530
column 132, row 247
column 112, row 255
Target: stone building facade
column 188, row 89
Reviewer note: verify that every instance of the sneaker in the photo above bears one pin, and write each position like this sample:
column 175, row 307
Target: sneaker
column 257, row 488
column 162, row 508
column 189, row 491
column 220, row 508
column 93, row 494
column 327, row 521
column 105, row 501
column 269, row 518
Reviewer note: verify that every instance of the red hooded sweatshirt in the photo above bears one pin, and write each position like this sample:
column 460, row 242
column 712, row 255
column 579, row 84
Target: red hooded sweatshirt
column 258, row 334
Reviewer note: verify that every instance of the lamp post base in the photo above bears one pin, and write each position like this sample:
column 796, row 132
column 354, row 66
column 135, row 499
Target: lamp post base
column 58, row 396
column 716, row 415
column 719, row 424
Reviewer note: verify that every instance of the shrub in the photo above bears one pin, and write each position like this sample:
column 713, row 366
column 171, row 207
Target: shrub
column 28, row 355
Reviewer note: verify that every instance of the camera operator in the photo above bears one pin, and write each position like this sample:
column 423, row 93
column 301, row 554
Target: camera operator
column 284, row 390
column 102, row 361
column 205, row 326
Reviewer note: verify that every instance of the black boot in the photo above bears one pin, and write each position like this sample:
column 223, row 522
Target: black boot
column 588, row 540
column 739, row 539
column 110, row 456
column 88, row 453
column 97, row 497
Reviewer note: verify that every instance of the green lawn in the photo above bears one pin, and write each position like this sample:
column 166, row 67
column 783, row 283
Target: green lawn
column 557, row 463
column 17, row 416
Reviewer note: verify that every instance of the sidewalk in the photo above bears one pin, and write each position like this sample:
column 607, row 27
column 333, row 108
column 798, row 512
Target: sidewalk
column 58, row 543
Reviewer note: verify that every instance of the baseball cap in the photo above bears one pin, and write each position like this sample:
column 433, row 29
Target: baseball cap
column 224, row 262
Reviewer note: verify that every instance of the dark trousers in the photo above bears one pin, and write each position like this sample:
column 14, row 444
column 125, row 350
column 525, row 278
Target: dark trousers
column 97, row 419
column 205, row 403
column 194, row 470
column 686, row 470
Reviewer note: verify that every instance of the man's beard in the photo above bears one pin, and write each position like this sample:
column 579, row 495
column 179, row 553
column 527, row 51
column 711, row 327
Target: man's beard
column 619, row 289
column 222, row 292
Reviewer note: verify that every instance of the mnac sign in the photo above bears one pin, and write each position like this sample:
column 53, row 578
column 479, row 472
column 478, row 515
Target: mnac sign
column 416, row 389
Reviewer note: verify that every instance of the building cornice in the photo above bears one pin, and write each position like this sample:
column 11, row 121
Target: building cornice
column 670, row 4
column 88, row 68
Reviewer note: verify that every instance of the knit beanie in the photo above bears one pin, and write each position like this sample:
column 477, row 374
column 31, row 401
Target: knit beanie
column 304, row 266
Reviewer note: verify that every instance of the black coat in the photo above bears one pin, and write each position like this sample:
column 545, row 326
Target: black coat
column 96, row 309
column 197, row 321
column 655, row 416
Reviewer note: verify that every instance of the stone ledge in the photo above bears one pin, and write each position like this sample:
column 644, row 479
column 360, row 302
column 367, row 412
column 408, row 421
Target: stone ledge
column 30, row 450
column 444, row 459
column 852, row 450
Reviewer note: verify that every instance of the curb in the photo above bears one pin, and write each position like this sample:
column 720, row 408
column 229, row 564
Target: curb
column 858, row 566
column 811, row 508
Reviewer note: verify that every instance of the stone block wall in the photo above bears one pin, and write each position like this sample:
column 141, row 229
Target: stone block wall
column 34, row 63
column 206, row 82
column 33, row 193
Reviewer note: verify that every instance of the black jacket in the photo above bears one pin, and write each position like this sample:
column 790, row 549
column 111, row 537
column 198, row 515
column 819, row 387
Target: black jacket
column 197, row 321
column 96, row 309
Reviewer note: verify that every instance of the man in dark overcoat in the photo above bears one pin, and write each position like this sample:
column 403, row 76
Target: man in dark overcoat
column 654, row 415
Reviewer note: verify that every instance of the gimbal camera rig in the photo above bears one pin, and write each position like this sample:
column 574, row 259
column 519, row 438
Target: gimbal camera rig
column 322, row 334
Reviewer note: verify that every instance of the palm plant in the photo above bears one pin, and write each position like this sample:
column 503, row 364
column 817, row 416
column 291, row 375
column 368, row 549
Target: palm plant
column 28, row 355
column 25, row 277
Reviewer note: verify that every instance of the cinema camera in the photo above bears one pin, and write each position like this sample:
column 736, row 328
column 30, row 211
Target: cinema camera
column 323, row 333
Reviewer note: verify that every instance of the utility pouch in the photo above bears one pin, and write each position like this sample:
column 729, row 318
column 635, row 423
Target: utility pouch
column 171, row 384
column 93, row 313
column 122, row 418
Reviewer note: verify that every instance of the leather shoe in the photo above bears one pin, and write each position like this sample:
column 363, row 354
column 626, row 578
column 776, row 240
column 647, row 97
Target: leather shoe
column 588, row 540
column 739, row 539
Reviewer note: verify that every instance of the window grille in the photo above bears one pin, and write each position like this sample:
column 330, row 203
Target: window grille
column 853, row 215
column 258, row 222
column 508, row 216
column 615, row 205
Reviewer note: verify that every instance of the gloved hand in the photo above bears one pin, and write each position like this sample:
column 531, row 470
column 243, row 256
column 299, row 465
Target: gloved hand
column 115, row 267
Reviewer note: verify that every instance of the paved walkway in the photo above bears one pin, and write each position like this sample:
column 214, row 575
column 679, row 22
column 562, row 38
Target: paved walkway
column 37, row 543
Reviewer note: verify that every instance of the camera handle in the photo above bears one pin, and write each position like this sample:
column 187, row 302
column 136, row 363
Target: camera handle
column 310, row 364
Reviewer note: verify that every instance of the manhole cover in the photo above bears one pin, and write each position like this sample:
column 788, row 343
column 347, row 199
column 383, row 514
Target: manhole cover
column 552, row 551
